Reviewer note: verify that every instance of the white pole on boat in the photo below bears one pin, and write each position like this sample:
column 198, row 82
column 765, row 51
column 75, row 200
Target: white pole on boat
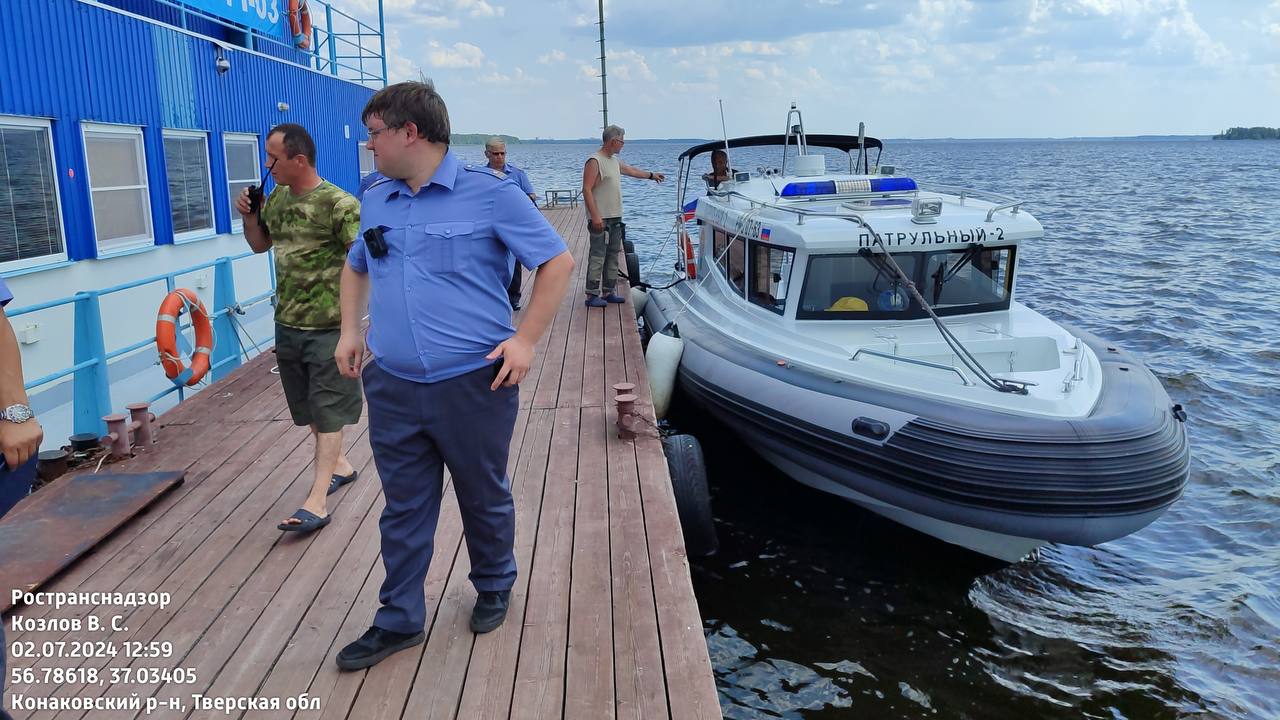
column 862, row 141
column 724, row 132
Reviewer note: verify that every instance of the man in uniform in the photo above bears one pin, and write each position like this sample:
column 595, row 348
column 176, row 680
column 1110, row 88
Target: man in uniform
column 311, row 223
column 432, row 262
column 495, row 151
column 20, row 437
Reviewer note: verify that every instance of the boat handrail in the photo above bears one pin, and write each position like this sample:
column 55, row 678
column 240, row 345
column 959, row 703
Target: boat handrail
column 1003, row 202
column 914, row 361
column 801, row 212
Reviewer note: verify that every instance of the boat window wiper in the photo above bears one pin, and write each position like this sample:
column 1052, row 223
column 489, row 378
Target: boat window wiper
column 942, row 275
column 878, row 262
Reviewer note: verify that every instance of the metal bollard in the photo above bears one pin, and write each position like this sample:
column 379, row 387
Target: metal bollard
column 626, row 416
column 624, row 400
column 142, row 417
column 117, row 435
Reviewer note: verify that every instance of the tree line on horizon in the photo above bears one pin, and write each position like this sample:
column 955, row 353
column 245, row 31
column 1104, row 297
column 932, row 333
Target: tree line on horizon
column 1253, row 133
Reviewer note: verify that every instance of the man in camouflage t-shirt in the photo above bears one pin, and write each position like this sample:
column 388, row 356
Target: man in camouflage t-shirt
column 311, row 223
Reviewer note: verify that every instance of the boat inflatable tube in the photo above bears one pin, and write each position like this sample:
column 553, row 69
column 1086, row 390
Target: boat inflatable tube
column 662, row 359
column 638, row 299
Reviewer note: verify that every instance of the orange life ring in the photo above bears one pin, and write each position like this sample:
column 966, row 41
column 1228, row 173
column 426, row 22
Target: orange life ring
column 167, row 337
column 690, row 264
column 300, row 24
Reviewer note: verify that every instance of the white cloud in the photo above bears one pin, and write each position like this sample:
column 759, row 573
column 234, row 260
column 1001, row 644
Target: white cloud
column 459, row 55
column 623, row 62
column 517, row 77
column 554, row 56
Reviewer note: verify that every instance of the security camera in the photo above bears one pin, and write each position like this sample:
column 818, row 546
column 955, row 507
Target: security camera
column 222, row 64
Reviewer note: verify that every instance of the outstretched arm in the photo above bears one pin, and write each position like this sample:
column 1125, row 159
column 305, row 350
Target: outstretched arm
column 635, row 172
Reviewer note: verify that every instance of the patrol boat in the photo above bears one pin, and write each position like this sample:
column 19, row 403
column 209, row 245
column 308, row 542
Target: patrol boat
column 860, row 331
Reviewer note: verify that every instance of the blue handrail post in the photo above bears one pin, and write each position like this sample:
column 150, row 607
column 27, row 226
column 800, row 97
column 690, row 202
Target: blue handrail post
column 91, row 397
column 226, row 344
column 333, row 51
column 382, row 37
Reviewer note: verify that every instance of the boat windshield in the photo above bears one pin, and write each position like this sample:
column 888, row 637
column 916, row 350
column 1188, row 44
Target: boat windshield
column 862, row 286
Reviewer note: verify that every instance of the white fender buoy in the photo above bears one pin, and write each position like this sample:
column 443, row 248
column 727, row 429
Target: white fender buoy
column 662, row 359
column 638, row 299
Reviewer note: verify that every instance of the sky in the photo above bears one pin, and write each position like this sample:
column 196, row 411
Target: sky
column 907, row 68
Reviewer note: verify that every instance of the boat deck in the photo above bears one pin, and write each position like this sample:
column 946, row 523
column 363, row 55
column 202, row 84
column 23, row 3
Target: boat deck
column 603, row 620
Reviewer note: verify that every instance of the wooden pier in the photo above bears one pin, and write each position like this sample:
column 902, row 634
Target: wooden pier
column 603, row 621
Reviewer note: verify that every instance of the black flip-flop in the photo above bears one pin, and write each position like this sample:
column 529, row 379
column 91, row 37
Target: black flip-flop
column 340, row 480
column 307, row 522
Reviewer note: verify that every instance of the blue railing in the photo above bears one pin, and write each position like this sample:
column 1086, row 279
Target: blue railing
column 91, row 384
column 342, row 34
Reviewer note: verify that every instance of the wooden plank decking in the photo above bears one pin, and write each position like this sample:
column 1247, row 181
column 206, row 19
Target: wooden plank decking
column 603, row 621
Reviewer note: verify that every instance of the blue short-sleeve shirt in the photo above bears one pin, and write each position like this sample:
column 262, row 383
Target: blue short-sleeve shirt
column 520, row 177
column 438, row 299
column 5, row 295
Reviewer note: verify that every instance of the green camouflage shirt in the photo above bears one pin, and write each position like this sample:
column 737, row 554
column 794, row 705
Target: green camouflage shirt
column 310, row 234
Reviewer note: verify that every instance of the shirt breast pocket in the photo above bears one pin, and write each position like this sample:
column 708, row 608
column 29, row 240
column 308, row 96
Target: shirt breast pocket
column 447, row 246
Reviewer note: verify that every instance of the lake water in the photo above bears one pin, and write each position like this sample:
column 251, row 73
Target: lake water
column 818, row 609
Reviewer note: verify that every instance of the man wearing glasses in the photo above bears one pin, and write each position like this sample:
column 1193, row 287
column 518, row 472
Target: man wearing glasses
column 495, row 151
column 432, row 262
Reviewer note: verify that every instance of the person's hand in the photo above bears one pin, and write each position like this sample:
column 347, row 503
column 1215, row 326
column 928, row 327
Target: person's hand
column 349, row 354
column 595, row 225
column 659, row 177
column 20, row 441
column 242, row 202
column 517, row 358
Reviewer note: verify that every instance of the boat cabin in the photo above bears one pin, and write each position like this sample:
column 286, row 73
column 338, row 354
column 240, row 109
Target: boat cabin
column 808, row 244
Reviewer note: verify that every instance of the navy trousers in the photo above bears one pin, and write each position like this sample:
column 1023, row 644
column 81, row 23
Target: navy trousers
column 14, row 485
column 416, row 430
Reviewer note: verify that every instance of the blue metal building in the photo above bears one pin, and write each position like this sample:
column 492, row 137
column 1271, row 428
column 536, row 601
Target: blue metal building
column 131, row 63
column 127, row 127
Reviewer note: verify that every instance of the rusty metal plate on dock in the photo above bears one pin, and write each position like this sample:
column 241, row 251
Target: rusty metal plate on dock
column 47, row 531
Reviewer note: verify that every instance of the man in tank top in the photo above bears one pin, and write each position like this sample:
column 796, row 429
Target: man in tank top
column 602, row 194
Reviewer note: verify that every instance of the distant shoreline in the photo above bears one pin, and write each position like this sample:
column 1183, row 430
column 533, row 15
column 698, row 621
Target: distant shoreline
column 479, row 139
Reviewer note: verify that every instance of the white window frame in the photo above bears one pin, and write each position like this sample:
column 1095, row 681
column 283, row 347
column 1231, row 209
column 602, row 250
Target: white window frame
column 138, row 241
column 205, row 232
column 53, row 258
column 237, row 223
column 362, row 147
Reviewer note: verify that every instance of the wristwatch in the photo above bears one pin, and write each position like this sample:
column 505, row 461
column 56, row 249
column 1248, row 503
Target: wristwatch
column 17, row 413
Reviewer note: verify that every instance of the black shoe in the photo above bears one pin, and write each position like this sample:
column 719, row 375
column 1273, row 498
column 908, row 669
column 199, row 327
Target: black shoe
column 374, row 646
column 490, row 611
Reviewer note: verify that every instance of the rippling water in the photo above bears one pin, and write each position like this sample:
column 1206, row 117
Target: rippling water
column 818, row 609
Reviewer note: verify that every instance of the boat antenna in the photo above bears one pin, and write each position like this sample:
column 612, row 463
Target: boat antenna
column 862, row 147
column 724, row 132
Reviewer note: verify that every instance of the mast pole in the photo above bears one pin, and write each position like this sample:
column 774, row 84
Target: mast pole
column 604, row 86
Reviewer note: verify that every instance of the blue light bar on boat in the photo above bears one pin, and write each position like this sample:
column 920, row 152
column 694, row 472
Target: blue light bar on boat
column 848, row 187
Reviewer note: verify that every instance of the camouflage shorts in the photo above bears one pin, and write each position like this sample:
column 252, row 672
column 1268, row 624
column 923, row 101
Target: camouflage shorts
column 318, row 395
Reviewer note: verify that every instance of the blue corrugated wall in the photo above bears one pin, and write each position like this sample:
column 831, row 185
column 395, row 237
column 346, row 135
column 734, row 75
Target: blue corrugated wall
column 72, row 62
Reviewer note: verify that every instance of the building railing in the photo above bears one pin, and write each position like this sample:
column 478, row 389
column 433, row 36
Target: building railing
column 91, row 384
column 331, row 45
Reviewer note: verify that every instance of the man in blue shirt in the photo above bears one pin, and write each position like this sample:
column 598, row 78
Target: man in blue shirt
column 495, row 151
column 20, row 437
column 432, row 262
